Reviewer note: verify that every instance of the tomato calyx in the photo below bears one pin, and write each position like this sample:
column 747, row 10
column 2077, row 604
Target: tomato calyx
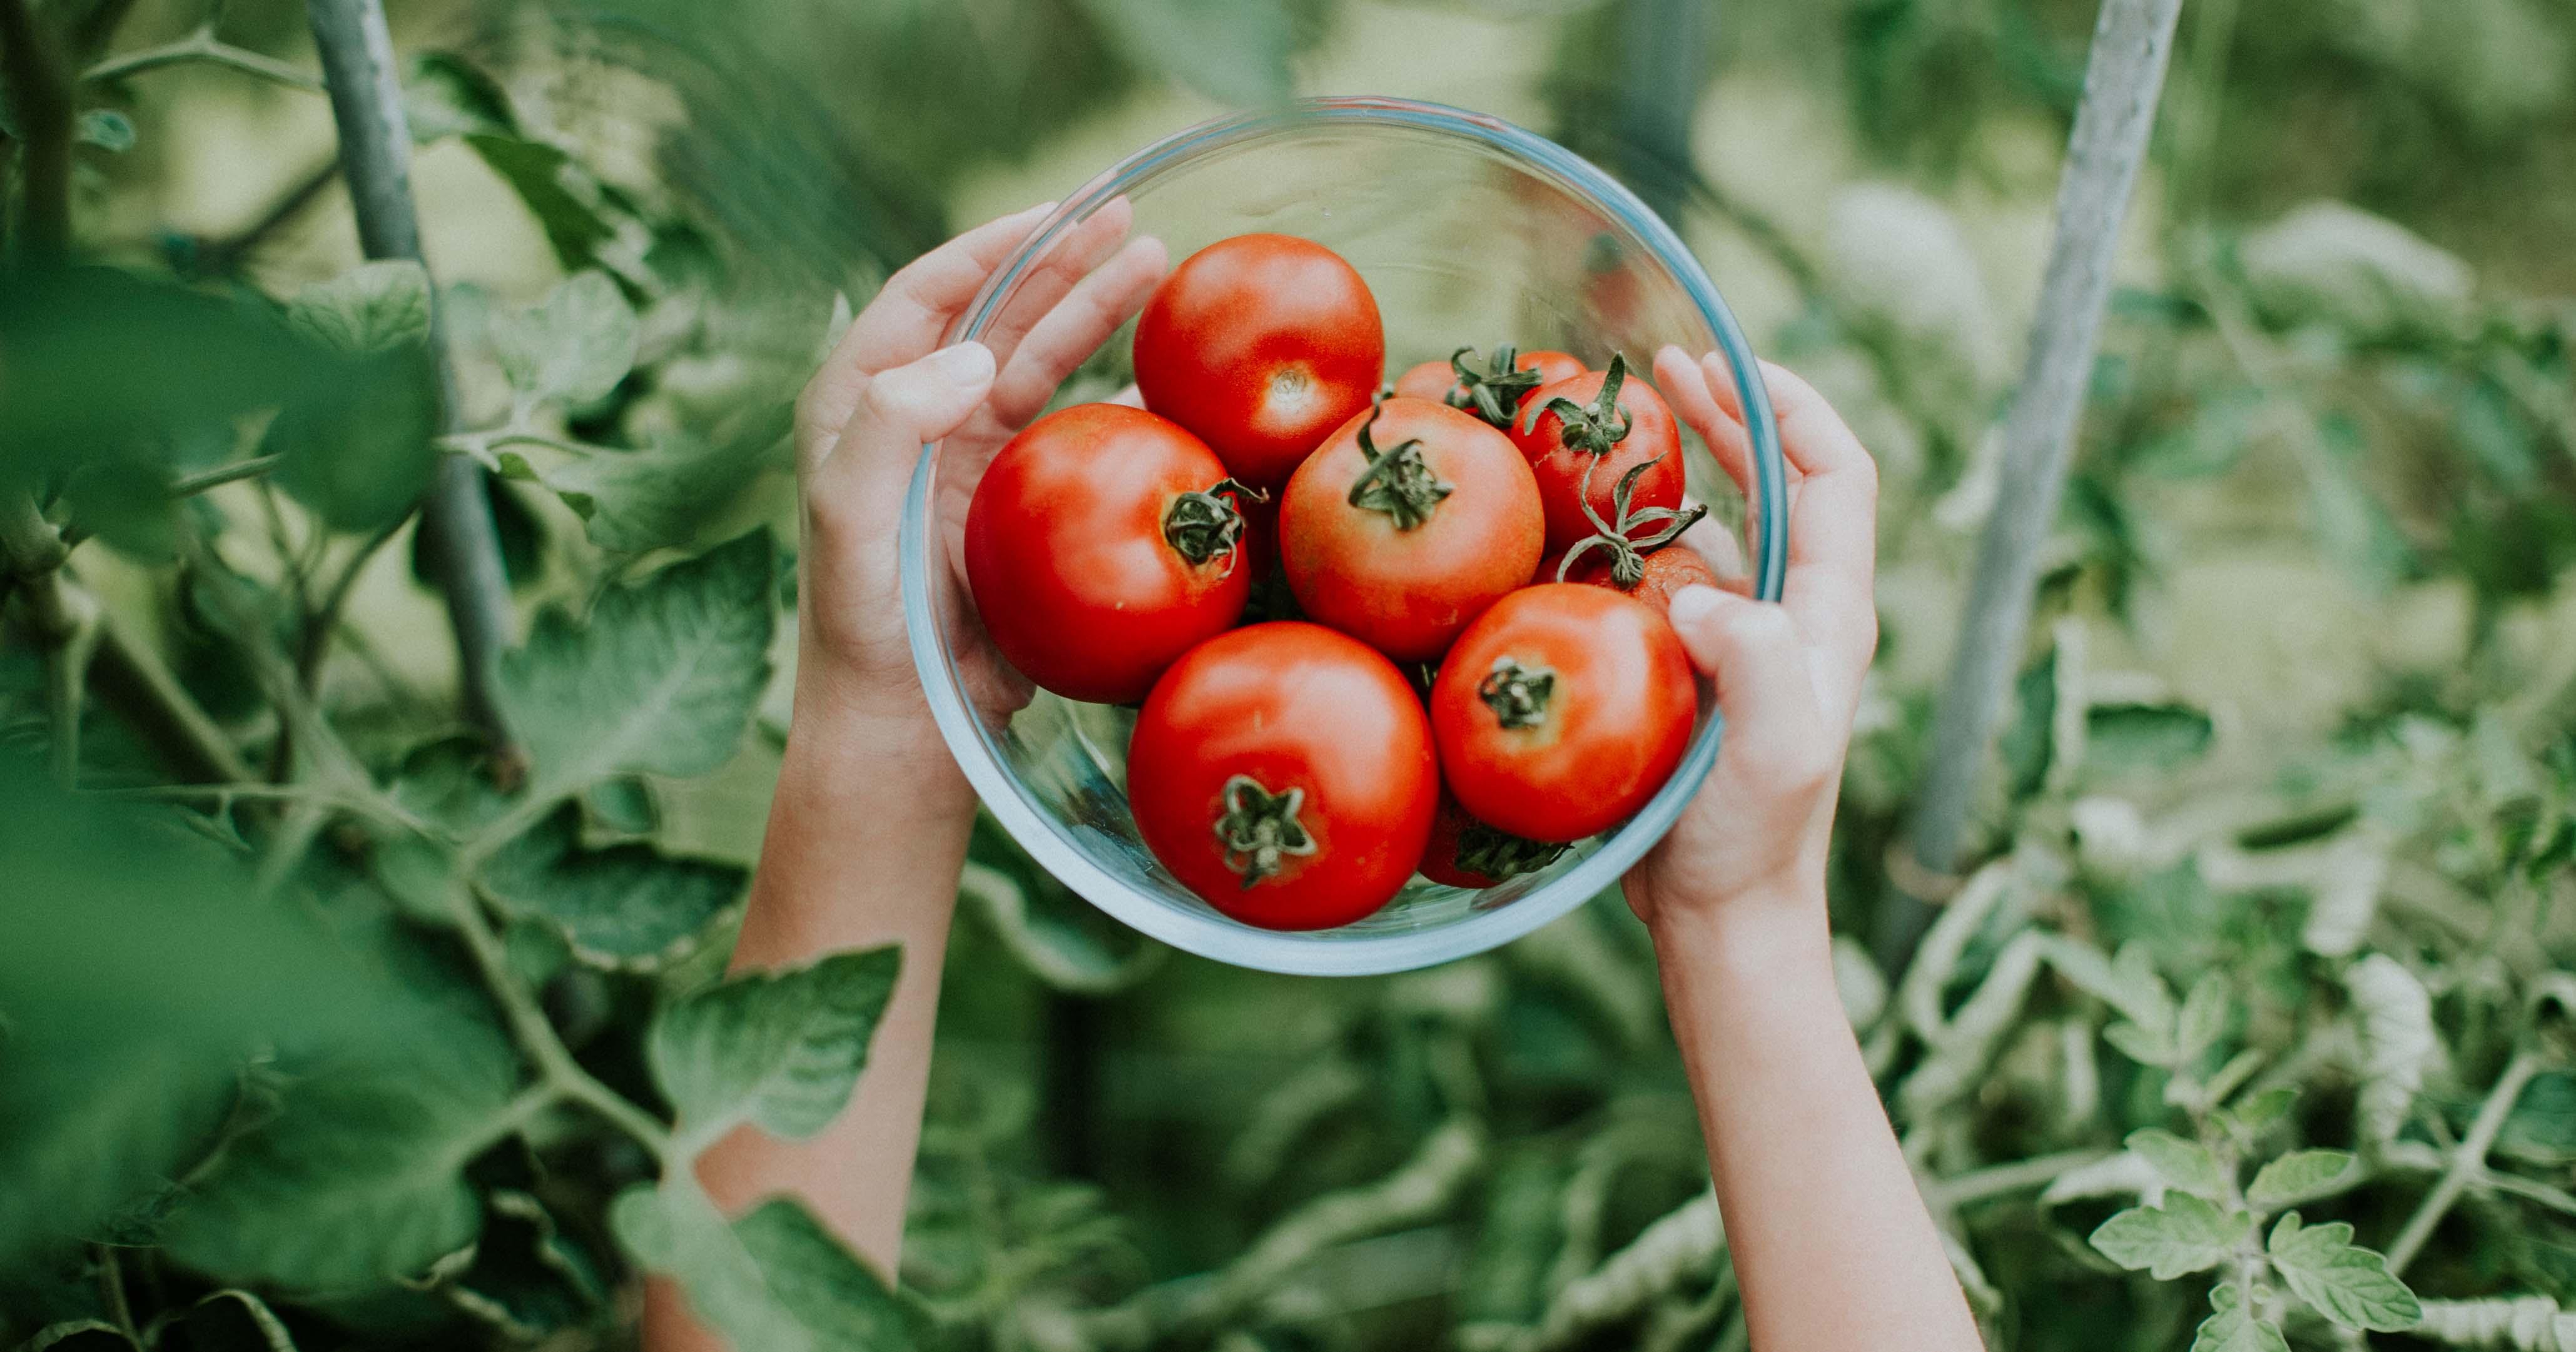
column 1493, row 395
column 1518, row 695
column 1259, row 829
column 1594, row 429
column 1201, row 525
column 1398, row 481
column 1618, row 535
column 1489, row 852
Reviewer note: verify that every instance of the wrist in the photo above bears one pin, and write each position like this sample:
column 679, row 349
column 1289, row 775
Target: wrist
column 1760, row 930
column 851, row 737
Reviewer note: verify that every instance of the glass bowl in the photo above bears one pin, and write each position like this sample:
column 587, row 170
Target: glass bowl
column 1469, row 230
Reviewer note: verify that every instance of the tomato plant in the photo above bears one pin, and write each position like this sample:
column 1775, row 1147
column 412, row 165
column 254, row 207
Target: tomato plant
column 1284, row 773
column 1406, row 524
column 1584, row 434
column 1261, row 345
column 1562, row 710
column 1102, row 542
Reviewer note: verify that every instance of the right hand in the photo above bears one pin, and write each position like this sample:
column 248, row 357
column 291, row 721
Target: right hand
column 1788, row 674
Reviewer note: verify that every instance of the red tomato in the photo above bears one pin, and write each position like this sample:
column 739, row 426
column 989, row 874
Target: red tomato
column 1603, row 441
column 1663, row 573
column 1440, row 380
column 1284, row 773
column 1407, row 523
column 1465, row 852
column 1102, row 543
column 1562, row 710
column 1260, row 344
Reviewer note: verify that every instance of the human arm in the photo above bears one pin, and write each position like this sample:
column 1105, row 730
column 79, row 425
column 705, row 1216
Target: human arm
column 869, row 823
column 1832, row 1245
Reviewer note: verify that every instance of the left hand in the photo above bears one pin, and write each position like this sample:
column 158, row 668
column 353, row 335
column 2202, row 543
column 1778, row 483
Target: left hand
column 860, row 425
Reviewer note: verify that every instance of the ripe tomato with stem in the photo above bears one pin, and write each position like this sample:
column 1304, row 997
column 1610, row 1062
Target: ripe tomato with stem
column 1584, row 434
column 1101, row 544
column 1284, row 773
column 1562, row 710
column 1493, row 393
column 1406, row 523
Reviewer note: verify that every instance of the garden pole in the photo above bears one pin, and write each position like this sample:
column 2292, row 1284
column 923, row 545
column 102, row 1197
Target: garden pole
column 1663, row 63
column 2123, row 78
column 464, row 550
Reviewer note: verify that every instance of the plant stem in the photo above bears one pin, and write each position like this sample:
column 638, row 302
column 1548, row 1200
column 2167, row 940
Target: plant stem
column 375, row 155
column 201, row 47
column 1979, row 1184
column 2468, row 1162
column 40, row 93
column 2132, row 41
column 537, row 1037
column 223, row 474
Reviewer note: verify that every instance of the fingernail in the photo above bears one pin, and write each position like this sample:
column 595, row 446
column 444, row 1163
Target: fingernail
column 1695, row 603
column 963, row 363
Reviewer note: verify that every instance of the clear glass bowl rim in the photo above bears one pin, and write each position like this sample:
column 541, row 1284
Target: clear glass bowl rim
column 1328, row 952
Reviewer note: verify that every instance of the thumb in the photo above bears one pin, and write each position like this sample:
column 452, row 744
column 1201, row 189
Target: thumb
column 864, row 476
column 1751, row 649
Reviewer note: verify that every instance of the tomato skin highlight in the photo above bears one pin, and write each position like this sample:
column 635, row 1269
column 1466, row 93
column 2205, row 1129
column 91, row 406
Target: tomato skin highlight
column 1065, row 551
column 1260, row 345
column 1291, row 706
column 1408, row 592
column 1668, row 570
column 1652, row 433
column 1613, row 723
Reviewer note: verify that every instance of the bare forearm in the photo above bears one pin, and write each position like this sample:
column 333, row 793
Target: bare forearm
column 1832, row 1246
column 866, row 836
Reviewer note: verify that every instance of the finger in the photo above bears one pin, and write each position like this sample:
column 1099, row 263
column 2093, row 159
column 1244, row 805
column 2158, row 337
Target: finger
column 859, row 489
column 1067, row 261
column 1066, row 337
column 1815, row 439
column 1833, row 524
column 1687, row 390
column 1776, row 733
column 906, row 319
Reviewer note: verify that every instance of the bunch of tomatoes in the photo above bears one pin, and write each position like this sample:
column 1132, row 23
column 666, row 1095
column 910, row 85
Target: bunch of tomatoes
column 1459, row 661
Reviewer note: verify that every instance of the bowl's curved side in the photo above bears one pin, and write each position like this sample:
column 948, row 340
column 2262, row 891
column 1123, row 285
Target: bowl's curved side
column 1327, row 953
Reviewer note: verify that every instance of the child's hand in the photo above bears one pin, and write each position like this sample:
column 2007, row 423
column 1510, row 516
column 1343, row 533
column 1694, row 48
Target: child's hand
column 1788, row 675
column 860, row 426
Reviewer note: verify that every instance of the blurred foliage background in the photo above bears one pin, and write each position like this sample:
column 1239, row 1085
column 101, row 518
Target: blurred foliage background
column 344, row 1046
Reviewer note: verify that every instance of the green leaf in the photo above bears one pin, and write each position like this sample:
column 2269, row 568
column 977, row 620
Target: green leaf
column 357, row 1184
column 126, row 502
column 373, row 307
column 2124, row 738
column 526, row 1277
column 661, row 680
column 573, row 346
column 2258, row 1112
column 449, row 781
column 782, row 1049
column 623, row 806
column 450, row 96
column 2185, row 1235
column 2203, row 1018
column 107, row 129
column 2182, row 1164
column 627, row 906
column 77, row 1335
column 2233, row 1326
column 233, row 1320
column 2340, row 1280
column 2542, row 1126
column 2300, row 1176
column 820, row 1282
column 1233, row 51
column 775, row 1279
column 633, row 501
column 555, row 190
column 361, row 455
column 2029, row 743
